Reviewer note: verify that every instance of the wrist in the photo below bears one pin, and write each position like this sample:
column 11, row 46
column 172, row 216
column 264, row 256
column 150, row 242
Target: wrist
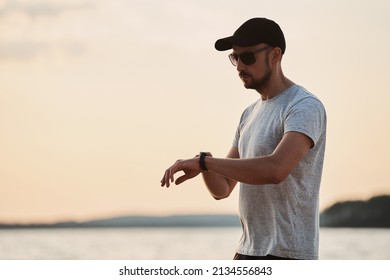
column 202, row 162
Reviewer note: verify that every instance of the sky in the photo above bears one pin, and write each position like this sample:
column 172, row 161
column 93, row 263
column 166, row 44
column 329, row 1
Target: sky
column 99, row 97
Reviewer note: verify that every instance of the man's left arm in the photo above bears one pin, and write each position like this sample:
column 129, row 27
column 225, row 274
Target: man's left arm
column 271, row 169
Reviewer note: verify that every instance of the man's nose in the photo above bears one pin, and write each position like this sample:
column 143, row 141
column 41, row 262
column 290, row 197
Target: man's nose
column 240, row 65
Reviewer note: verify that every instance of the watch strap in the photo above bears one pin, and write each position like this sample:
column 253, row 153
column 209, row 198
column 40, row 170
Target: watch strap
column 202, row 163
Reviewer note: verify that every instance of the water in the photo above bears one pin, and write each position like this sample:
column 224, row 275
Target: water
column 172, row 243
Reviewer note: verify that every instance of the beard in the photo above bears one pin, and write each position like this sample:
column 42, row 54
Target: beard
column 257, row 84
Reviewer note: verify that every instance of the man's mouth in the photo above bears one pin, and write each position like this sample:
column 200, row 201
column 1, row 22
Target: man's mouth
column 244, row 75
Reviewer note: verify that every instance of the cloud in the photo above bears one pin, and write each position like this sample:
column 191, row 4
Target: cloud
column 39, row 9
column 24, row 50
column 23, row 40
column 21, row 50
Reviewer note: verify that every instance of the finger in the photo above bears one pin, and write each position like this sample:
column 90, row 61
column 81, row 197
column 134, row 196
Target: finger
column 166, row 178
column 163, row 181
column 181, row 179
column 173, row 170
column 167, row 181
column 171, row 176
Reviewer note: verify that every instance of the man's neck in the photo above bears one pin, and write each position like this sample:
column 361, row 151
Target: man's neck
column 275, row 87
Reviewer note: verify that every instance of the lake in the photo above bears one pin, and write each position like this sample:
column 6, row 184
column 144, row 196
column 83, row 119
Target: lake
column 173, row 243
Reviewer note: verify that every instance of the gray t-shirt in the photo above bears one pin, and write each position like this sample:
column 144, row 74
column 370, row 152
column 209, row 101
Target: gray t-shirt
column 282, row 219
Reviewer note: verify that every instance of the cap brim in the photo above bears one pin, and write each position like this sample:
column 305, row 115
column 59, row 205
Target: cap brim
column 224, row 44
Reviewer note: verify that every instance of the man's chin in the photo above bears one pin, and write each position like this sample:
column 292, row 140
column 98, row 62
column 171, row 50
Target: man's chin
column 248, row 85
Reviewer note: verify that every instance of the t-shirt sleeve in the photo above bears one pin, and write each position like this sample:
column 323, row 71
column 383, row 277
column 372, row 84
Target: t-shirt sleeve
column 243, row 118
column 307, row 117
column 236, row 138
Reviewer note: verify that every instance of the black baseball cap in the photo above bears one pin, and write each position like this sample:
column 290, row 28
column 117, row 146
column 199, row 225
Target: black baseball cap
column 252, row 32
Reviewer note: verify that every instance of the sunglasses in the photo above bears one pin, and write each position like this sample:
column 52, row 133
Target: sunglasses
column 248, row 58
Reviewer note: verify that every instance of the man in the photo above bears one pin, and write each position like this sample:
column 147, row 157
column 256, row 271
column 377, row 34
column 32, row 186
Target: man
column 277, row 153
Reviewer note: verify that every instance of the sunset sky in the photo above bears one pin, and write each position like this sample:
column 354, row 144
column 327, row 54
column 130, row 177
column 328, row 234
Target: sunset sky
column 99, row 97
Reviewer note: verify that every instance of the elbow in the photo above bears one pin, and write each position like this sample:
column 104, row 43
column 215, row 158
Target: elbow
column 219, row 192
column 219, row 197
column 277, row 180
column 277, row 176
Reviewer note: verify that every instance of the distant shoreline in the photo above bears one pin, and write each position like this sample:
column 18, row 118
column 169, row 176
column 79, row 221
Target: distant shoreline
column 373, row 213
column 139, row 221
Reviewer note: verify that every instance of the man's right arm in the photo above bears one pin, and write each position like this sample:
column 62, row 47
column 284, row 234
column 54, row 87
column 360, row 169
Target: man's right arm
column 219, row 186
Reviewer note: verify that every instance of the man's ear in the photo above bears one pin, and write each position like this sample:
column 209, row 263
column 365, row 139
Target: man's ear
column 276, row 55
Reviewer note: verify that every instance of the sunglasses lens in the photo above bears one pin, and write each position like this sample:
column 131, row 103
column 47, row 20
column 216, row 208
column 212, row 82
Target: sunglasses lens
column 248, row 58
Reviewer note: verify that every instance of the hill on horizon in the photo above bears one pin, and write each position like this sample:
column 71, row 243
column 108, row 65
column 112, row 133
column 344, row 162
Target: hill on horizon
column 374, row 212
column 143, row 221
